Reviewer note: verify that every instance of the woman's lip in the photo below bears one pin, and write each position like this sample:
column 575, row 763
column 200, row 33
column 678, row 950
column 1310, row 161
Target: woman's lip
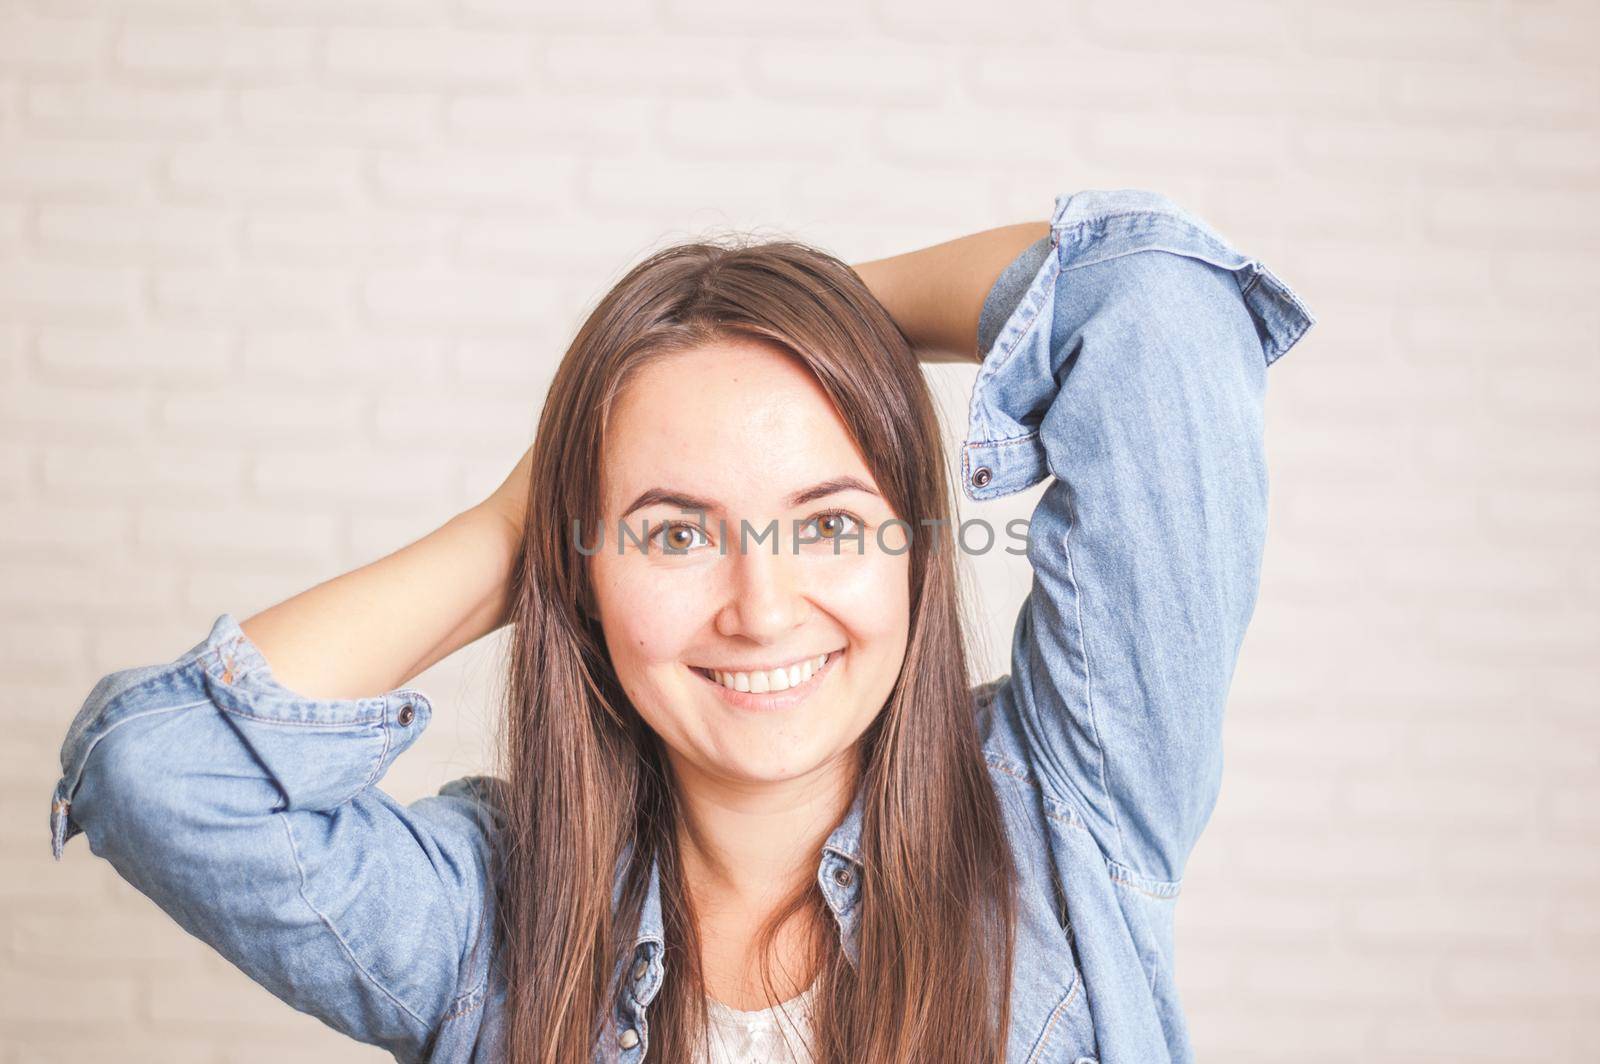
column 769, row 700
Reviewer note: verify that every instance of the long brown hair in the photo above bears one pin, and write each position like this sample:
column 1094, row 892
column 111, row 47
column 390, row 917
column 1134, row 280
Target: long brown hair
column 586, row 781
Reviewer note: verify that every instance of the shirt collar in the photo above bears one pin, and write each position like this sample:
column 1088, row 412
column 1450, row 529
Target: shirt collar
column 843, row 842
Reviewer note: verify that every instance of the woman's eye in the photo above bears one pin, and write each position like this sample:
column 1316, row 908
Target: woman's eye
column 677, row 538
column 830, row 526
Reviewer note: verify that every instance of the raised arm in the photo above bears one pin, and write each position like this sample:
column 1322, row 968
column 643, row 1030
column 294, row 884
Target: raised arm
column 1128, row 363
column 237, row 787
column 376, row 627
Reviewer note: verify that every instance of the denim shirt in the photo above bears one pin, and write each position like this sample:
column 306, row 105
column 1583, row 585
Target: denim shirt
column 1125, row 358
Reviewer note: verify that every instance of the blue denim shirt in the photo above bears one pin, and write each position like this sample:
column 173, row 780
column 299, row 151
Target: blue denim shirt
column 1125, row 358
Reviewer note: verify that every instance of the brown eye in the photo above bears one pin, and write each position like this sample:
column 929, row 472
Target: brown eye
column 678, row 538
column 831, row 525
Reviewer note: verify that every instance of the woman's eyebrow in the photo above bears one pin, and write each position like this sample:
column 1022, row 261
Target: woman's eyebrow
column 693, row 503
column 831, row 487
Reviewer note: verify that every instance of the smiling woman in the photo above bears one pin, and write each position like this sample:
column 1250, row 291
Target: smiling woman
column 745, row 422
column 717, row 389
column 749, row 772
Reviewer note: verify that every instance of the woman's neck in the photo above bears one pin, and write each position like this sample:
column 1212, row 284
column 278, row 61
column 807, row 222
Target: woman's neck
column 744, row 850
column 752, row 844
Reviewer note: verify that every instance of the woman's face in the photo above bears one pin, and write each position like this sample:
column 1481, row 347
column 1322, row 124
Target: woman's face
column 741, row 430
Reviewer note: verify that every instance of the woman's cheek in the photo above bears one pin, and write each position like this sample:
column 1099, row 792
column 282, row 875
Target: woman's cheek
column 649, row 617
column 868, row 594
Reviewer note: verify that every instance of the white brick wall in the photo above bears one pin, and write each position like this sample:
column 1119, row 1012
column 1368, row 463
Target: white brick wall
column 282, row 283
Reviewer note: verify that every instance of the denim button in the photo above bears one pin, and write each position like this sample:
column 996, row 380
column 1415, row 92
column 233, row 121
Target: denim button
column 629, row 1039
column 843, row 876
column 981, row 476
column 408, row 713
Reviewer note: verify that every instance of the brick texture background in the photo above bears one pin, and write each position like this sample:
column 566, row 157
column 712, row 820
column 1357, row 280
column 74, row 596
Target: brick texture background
column 282, row 283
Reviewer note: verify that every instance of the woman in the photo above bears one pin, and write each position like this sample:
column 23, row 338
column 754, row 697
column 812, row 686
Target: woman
column 743, row 765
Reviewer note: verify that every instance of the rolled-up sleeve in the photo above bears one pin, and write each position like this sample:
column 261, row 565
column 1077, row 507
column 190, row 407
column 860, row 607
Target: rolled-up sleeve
column 252, row 816
column 1127, row 362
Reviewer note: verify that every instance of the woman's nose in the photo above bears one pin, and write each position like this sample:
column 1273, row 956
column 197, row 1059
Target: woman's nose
column 766, row 598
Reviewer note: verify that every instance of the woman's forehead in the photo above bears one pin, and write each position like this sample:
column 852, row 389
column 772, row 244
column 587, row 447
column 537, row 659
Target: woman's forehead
column 741, row 422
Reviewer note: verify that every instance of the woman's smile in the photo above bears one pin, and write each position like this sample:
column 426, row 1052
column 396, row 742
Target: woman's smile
column 770, row 689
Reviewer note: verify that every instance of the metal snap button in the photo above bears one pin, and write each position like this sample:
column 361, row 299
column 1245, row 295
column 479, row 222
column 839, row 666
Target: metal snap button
column 981, row 476
column 843, row 876
column 629, row 1038
column 408, row 713
column 640, row 966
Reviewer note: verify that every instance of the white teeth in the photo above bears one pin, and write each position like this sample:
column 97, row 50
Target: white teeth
column 773, row 679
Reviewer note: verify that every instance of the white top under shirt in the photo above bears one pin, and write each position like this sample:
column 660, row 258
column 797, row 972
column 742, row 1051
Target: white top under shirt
column 739, row 1037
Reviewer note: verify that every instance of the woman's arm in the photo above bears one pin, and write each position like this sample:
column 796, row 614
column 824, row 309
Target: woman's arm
column 254, row 818
column 1130, row 374
column 246, row 803
column 936, row 294
column 241, row 794
column 374, row 628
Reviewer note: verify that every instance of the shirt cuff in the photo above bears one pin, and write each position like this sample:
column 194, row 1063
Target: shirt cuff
column 1008, row 291
column 322, row 752
column 1024, row 345
column 319, row 752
